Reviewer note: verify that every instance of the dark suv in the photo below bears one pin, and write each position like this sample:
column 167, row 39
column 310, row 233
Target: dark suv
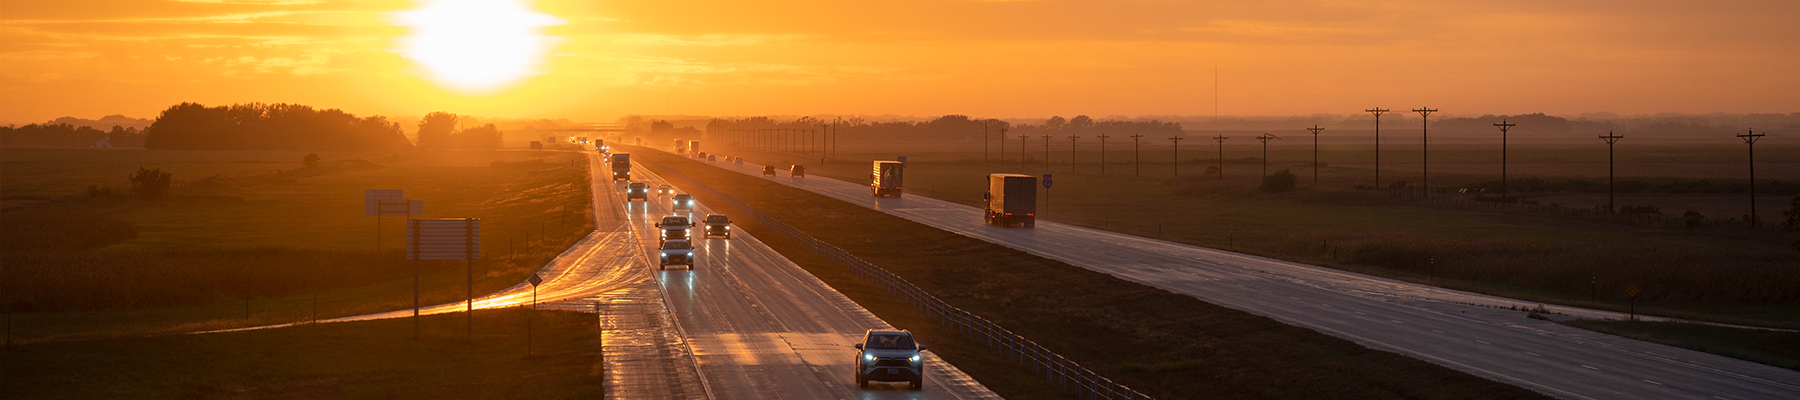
column 889, row 356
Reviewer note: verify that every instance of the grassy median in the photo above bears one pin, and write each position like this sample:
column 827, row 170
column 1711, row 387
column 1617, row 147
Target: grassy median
column 1166, row 344
column 351, row 360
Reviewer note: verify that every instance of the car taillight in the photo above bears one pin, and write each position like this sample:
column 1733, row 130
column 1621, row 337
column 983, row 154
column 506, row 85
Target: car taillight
column 1030, row 214
column 1008, row 213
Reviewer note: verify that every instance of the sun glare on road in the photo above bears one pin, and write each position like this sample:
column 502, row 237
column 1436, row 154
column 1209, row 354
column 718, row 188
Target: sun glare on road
column 476, row 45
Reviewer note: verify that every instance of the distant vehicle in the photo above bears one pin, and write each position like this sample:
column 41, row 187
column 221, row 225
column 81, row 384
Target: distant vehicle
column 536, row 145
column 797, row 171
column 676, row 252
column 717, row 225
column 887, row 355
column 768, row 170
column 886, row 178
column 680, row 146
column 675, row 227
column 700, row 155
column 637, row 190
column 621, row 166
column 665, row 190
column 713, row 158
column 693, row 145
column 738, row 160
column 682, row 202
column 1011, row 200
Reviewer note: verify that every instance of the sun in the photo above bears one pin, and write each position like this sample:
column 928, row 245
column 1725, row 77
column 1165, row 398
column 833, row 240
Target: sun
column 476, row 45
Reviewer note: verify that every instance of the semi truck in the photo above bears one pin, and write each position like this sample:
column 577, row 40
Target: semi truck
column 1011, row 200
column 621, row 166
column 886, row 178
column 680, row 146
column 694, row 145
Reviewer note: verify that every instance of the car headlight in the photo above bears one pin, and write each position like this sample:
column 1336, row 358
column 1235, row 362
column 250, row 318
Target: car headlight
column 868, row 357
column 914, row 359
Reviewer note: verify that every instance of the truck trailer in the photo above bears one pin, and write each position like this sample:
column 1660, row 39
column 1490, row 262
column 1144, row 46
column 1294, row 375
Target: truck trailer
column 1011, row 200
column 621, row 166
column 887, row 177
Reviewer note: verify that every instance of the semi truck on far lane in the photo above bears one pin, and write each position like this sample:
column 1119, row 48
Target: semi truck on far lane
column 1011, row 200
column 621, row 165
column 887, row 178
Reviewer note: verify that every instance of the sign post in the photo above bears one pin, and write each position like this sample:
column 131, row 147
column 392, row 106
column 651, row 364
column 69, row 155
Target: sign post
column 444, row 239
column 1046, row 195
column 1632, row 291
column 535, row 280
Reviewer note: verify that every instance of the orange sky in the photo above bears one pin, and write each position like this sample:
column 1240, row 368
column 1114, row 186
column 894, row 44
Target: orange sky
column 602, row 59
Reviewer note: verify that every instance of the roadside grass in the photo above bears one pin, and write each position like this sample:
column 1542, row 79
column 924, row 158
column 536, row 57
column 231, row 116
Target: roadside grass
column 186, row 265
column 1710, row 275
column 1775, row 348
column 1142, row 336
column 356, row 360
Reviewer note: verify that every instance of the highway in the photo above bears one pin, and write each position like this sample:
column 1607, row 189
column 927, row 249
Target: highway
column 1461, row 330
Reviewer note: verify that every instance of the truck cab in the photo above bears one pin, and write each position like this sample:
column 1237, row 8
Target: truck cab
column 637, row 191
column 682, row 202
column 675, row 227
column 885, row 355
column 676, row 252
column 717, row 225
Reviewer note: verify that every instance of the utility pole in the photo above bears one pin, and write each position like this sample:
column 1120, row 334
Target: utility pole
column 1425, row 146
column 1047, row 152
column 1750, row 137
column 1022, row 149
column 1315, row 130
column 1610, row 138
column 1265, row 139
column 824, row 135
column 1003, row 145
column 1177, row 148
column 1137, row 161
column 1504, row 126
column 1103, row 153
column 1377, row 111
column 1072, row 153
column 984, row 141
column 1221, row 140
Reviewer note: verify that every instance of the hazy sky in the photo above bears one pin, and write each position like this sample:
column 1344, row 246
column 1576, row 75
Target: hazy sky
column 592, row 60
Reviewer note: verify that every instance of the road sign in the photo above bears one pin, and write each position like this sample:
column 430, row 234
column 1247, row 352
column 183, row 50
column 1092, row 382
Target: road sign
column 443, row 239
column 1632, row 291
column 373, row 198
column 1046, row 181
column 535, row 280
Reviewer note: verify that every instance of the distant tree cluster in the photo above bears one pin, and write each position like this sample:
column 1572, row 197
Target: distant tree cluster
column 441, row 130
column 68, row 135
column 258, row 126
column 948, row 127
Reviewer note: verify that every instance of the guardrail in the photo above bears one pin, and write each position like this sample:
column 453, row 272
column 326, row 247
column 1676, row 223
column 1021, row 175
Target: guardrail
column 1083, row 382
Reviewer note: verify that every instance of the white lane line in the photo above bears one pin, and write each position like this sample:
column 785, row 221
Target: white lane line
column 1438, row 331
column 1588, row 367
column 1720, row 398
column 1534, row 354
column 1654, row 382
column 1396, row 321
column 1360, row 313
column 1327, row 305
column 1291, row 297
column 1482, row 342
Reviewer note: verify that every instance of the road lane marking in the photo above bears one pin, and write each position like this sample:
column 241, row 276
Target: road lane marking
column 1588, row 367
column 1482, row 342
column 1396, row 321
column 1534, row 354
column 1327, row 305
column 1360, row 313
column 1438, row 331
column 1654, row 382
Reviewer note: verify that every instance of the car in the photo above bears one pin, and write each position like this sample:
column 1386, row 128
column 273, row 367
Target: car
column 768, row 170
column 717, row 225
column 700, row 155
column 888, row 355
column 682, row 202
column 675, row 227
column 797, row 171
column 676, row 252
column 738, row 160
column 712, row 158
column 637, row 190
column 664, row 190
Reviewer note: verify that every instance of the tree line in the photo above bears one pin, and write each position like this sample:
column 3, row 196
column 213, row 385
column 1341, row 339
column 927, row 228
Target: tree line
column 948, row 127
column 442, row 130
column 52, row 134
column 280, row 126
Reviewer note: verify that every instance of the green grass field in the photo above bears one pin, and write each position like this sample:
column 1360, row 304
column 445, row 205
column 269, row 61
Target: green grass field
column 266, row 230
column 351, row 360
column 1166, row 344
column 1712, row 274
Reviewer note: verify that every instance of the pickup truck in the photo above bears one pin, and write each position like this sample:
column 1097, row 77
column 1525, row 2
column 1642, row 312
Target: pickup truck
column 675, row 227
column 682, row 202
column 637, row 190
